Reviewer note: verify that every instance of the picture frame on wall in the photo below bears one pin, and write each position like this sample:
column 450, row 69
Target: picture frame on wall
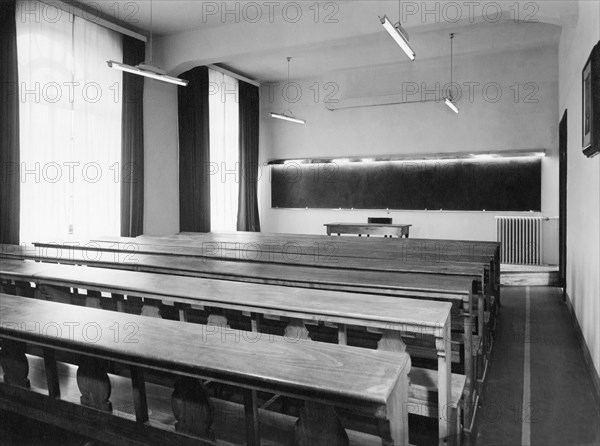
column 590, row 111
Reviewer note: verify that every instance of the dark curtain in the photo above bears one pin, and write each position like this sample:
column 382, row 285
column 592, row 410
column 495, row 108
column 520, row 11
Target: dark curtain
column 248, row 219
column 132, row 142
column 9, row 126
column 194, row 152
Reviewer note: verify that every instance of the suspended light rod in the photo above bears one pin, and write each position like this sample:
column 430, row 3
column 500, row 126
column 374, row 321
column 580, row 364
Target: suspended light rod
column 146, row 73
column 399, row 35
column 448, row 101
column 451, row 105
column 287, row 118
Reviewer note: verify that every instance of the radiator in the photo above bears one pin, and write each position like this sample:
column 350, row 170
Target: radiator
column 521, row 240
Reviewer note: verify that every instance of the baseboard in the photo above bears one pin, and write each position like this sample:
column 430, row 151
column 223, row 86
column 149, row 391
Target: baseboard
column 584, row 347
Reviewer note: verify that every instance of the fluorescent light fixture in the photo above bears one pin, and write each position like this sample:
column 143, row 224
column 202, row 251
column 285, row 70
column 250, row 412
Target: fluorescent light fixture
column 287, row 118
column 451, row 105
column 484, row 156
column 147, row 71
column 342, row 160
column 399, row 35
column 431, row 157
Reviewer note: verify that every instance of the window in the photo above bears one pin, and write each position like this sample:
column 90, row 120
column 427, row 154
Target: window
column 223, row 106
column 70, row 124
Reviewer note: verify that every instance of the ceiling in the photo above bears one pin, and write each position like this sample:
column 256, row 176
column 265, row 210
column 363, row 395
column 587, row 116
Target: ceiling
column 341, row 35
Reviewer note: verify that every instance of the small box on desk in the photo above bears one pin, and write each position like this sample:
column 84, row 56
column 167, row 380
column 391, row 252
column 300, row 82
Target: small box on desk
column 380, row 220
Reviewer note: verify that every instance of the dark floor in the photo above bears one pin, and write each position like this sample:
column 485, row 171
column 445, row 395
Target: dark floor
column 561, row 409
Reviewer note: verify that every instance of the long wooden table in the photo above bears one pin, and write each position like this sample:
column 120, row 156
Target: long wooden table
column 422, row 250
column 457, row 290
column 302, row 251
column 391, row 315
column 419, row 255
column 385, row 229
column 190, row 260
column 322, row 375
column 127, row 249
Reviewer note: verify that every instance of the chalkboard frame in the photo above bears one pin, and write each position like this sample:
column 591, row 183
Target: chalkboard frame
column 503, row 184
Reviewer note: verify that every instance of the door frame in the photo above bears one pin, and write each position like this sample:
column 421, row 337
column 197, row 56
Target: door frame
column 562, row 202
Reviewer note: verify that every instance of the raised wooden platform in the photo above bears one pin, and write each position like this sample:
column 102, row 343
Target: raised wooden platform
column 529, row 275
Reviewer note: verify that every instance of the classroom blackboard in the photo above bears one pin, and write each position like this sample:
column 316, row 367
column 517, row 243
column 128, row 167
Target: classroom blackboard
column 459, row 185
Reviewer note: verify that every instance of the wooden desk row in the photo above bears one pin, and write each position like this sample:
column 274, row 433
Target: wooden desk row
column 440, row 256
column 323, row 376
column 280, row 253
column 129, row 249
column 456, row 290
column 437, row 256
column 385, row 229
column 417, row 250
column 390, row 315
column 430, row 256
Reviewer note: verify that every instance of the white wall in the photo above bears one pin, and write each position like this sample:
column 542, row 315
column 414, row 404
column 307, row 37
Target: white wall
column 161, row 159
column 583, row 180
column 506, row 124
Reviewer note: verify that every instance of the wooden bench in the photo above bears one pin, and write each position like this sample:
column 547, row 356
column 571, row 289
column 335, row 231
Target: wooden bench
column 424, row 286
column 371, row 383
column 449, row 257
column 390, row 315
column 129, row 251
column 428, row 256
column 443, row 257
column 427, row 250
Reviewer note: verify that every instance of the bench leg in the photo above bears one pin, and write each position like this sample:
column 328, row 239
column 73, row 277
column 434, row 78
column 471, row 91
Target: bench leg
column 120, row 302
column 51, row 373
column 218, row 320
column 24, row 289
column 391, row 341
column 93, row 299
column 251, row 418
column 444, row 356
column 394, row 429
column 318, row 424
column 14, row 364
column 151, row 308
column 140, row 404
column 342, row 334
column 94, row 385
column 53, row 293
column 192, row 408
column 468, row 351
column 296, row 330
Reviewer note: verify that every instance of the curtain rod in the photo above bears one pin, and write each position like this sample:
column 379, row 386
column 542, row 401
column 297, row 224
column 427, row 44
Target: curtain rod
column 81, row 12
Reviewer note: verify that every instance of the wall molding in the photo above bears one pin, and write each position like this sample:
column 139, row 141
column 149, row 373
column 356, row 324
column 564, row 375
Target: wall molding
column 584, row 347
